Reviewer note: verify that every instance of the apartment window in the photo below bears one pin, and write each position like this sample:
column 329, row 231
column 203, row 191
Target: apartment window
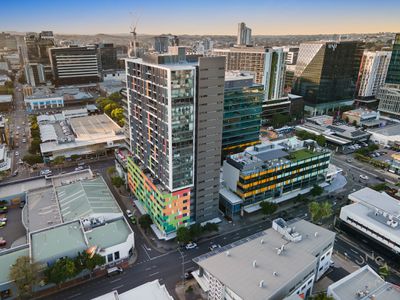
column 116, row 255
column 110, row 257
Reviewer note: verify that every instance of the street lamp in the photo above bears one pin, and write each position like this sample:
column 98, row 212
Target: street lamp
column 183, row 265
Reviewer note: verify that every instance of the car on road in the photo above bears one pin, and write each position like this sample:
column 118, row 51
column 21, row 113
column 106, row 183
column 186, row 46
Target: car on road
column 22, row 204
column 45, row 172
column 129, row 213
column 133, row 220
column 349, row 160
column 3, row 242
column 191, row 246
column 15, row 173
column 3, row 224
column 214, row 246
column 16, row 153
column 364, row 177
column 81, row 164
column 78, row 168
column 114, row 271
column 20, row 162
column 3, row 209
column 188, row 274
column 18, row 127
column 3, row 218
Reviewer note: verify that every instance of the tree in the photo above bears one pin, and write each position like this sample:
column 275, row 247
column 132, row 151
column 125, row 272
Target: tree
column 315, row 212
column 279, row 120
column 25, row 276
column 22, row 79
column 384, row 271
column 117, row 181
column 85, row 261
column 32, row 159
column 183, row 235
column 210, row 227
column 111, row 170
column 145, row 221
column 110, row 107
column 316, row 190
column 9, row 84
column 321, row 296
column 326, row 209
column 268, row 208
column 35, row 146
column 117, row 113
column 74, row 156
column 195, row 231
column 115, row 97
column 61, row 271
column 58, row 160
column 321, row 140
column 379, row 187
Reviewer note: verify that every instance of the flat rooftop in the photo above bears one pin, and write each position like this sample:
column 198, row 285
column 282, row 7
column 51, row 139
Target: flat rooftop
column 55, row 242
column 236, row 271
column 42, row 209
column 6, row 98
column 148, row 291
column 8, row 258
column 391, row 130
column 364, row 284
column 92, row 126
column 10, row 189
column 111, row 233
column 84, row 198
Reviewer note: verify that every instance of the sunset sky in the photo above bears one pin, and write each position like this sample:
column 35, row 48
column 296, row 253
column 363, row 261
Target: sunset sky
column 201, row 17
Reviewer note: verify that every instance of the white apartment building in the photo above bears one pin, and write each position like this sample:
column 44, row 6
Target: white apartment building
column 282, row 261
column 373, row 70
column 375, row 215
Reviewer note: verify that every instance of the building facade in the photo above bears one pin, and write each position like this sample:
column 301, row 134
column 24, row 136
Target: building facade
column 242, row 113
column 243, row 35
column 108, row 56
column 268, row 66
column 373, row 71
column 389, row 100
column 268, row 171
column 75, row 65
column 35, row 74
column 162, row 42
column 175, row 123
column 393, row 74
column 326, row 74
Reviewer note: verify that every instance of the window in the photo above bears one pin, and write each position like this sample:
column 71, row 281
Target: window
column 110, row 257
column 116, row 255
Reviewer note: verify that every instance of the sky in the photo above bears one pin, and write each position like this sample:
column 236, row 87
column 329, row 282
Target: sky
column 205, row 17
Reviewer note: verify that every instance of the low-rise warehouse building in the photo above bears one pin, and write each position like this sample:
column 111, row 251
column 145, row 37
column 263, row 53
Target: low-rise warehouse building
column 282, row 261
column 80, row 136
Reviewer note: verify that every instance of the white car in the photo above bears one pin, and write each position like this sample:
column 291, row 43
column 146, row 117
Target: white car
column 364, row 177
column 45, row 172
column 191, row 246
column 78, row 168
column 16, row 153
column 129, row 213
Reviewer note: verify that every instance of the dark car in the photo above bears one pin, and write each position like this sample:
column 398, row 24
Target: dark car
column 3, row 242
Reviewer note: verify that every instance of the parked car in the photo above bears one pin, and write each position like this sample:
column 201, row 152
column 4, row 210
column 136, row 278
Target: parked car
column 364, row 177
column 16, row 153
column 191, row 246
column 24, row 140
column 22, row 204
column 2, row 224
column 3, row 218
column 133, row 220
column 349, row 160
column 45, row 172
column 15, row 173
column 78, row 168
column 214, row 246
column 129, row 213
column 114, row 271
column 188, row 274
column 3, row 242
column 3, row 209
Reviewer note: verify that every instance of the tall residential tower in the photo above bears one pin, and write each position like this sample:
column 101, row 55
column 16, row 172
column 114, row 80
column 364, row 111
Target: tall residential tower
column 175, row 106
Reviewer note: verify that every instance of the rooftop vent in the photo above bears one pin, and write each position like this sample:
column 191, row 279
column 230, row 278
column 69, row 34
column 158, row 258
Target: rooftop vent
column 254, row 264
column 262, row 241
column 275, row 274
column 316, row 234
column 227, row 253
column 261, row 284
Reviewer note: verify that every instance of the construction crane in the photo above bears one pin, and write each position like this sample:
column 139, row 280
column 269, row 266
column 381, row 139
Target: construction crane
column 133, row 44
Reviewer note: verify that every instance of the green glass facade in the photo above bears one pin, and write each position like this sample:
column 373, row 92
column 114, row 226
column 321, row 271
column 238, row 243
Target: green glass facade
column 242, row 116
column 327, row 72
column 393, row 74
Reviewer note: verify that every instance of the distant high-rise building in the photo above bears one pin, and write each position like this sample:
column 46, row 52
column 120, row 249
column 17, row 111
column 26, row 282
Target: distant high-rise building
column 75, row 65
column 326, row 74
column 243, row 35
column 291, row 55
column 242, row 112
column 389, row 100
column 162, row 42
column 35, row 74
column 175, row 127
column 373, row 71
column 267, row 64
column 37, row 46
column 108, row 56
column 393, row 74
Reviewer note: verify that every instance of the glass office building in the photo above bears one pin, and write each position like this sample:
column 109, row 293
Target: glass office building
column 393, row 74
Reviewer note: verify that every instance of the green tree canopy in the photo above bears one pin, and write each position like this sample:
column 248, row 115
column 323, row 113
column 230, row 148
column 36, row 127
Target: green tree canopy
column 316, row 190
column 321, row 140
column 110, row 107
column 25, row 276
column 117, row 113
column 183, row 235
column 32, row 159
column 117, row 181
column 115, row 97
column 321, row 296
column 268, row 208
column 85, row 261
column 61, row 271
column 145, row 221
column 35, row 146
column 58, row 160
column 320, row 211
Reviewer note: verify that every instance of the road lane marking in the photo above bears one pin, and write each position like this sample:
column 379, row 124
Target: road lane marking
column 152, row 274
column 74, row 295
column 118, row 287
column 115, row 280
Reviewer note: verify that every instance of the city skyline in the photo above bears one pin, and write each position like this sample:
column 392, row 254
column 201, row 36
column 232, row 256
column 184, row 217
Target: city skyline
column 178, row 17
